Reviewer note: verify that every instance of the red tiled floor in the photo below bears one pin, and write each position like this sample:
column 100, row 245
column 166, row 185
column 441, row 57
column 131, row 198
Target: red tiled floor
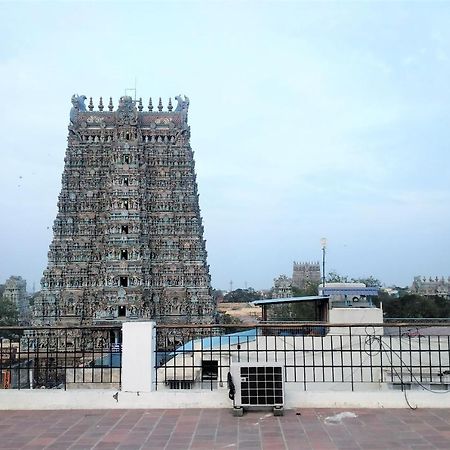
column 210, row 429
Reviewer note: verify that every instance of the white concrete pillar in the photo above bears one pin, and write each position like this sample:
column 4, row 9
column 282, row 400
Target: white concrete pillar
column 138, row 356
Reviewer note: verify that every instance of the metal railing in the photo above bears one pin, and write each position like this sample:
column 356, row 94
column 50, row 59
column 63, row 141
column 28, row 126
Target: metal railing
column 60, row 358
column 412, row 320
column 401, row 355
column 394, row 356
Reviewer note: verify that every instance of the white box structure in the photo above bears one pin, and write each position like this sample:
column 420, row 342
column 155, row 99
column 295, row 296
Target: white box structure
column 138, row 350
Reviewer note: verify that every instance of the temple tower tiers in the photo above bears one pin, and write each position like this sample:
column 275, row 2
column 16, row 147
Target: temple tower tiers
column 305, row 273
column 128, row 236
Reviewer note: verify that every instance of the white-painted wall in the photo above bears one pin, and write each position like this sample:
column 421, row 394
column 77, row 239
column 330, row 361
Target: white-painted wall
column 295, row 398
column 138, row 350
column 355, row 316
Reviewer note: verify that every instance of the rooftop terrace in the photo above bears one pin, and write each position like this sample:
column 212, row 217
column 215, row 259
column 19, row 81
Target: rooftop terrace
column 208, row 429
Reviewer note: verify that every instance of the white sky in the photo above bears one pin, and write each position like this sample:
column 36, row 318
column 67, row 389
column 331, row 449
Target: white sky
column 308, row 120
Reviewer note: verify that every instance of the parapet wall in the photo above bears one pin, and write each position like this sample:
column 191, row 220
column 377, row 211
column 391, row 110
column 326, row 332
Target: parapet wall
column 295, row 398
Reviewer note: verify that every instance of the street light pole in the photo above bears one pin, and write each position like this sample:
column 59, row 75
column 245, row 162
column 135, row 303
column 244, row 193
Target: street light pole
column 323, row 244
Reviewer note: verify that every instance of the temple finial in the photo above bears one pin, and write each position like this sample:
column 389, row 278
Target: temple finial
column 150, row 105
column 110, row 105
column 91, row 105
column 170, row 107
column 140, row 107
column 100, row 105
column 160, row 105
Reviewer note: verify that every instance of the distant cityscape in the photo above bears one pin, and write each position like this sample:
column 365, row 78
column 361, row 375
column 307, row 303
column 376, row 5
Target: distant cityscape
column 305, row 275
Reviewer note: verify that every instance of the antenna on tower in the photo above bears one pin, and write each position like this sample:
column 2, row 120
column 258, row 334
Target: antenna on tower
column 132, row 89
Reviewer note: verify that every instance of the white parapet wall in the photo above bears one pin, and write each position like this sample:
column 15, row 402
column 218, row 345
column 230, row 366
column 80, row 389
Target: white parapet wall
column 295, row 398
column 138, row 352
column 138, row 373
column 355, row 316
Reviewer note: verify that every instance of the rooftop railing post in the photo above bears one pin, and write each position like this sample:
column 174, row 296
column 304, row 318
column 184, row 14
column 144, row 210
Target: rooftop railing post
column 351, row 355
column 138, row 351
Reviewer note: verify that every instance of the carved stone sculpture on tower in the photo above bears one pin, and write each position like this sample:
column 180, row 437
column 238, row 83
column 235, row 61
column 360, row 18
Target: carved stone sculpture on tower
column 128, row 237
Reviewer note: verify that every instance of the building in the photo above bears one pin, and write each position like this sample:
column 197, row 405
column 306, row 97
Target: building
column 349, row 295
column 282, row 287
column 15, row 291
column 431, row 286
column 305, row 274
column 128, row 236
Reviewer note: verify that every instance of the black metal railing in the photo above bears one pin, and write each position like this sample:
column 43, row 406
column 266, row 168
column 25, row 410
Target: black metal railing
column 60, row 358
column 421, row 320
column 398, row 355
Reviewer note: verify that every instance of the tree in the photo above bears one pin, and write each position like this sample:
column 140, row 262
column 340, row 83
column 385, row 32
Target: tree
column 226, row 319
column 303, row 311
column 242, row 295
column 414, row 306
column 369, row 281
column 299, row 310
column 311, row 288
column 9, row 316
column 334, row 277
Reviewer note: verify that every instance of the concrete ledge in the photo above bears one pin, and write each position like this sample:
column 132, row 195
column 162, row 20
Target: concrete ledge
column 367, row 399
column 105, row 399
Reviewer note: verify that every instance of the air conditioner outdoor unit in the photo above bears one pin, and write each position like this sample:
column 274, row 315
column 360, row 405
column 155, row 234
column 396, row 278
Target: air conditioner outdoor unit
column 257, row 385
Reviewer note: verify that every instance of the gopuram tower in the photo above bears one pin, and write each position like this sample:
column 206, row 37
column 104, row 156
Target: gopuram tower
column 128, row 237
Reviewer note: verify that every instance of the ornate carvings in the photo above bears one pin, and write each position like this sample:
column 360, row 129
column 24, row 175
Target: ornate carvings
column 126, row 112
column 128, row 240
column 183, row 105
column 77, row 106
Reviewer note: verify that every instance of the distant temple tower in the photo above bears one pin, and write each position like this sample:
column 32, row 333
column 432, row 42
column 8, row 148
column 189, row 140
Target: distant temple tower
column 305, row 273
column 282, row 287
column 431, row 286
column 15, row 290
column 128, row 236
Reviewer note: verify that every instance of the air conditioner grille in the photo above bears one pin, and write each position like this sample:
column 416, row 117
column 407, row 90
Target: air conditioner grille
column 261, row 385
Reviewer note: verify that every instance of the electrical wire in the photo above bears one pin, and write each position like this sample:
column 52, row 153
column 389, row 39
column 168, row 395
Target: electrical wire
column 386, row 348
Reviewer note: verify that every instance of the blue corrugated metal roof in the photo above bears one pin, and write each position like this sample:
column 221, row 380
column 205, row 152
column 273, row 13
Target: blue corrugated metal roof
column 108, row 360
column 273, row 301
column 212, row 342
column 350, row 291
